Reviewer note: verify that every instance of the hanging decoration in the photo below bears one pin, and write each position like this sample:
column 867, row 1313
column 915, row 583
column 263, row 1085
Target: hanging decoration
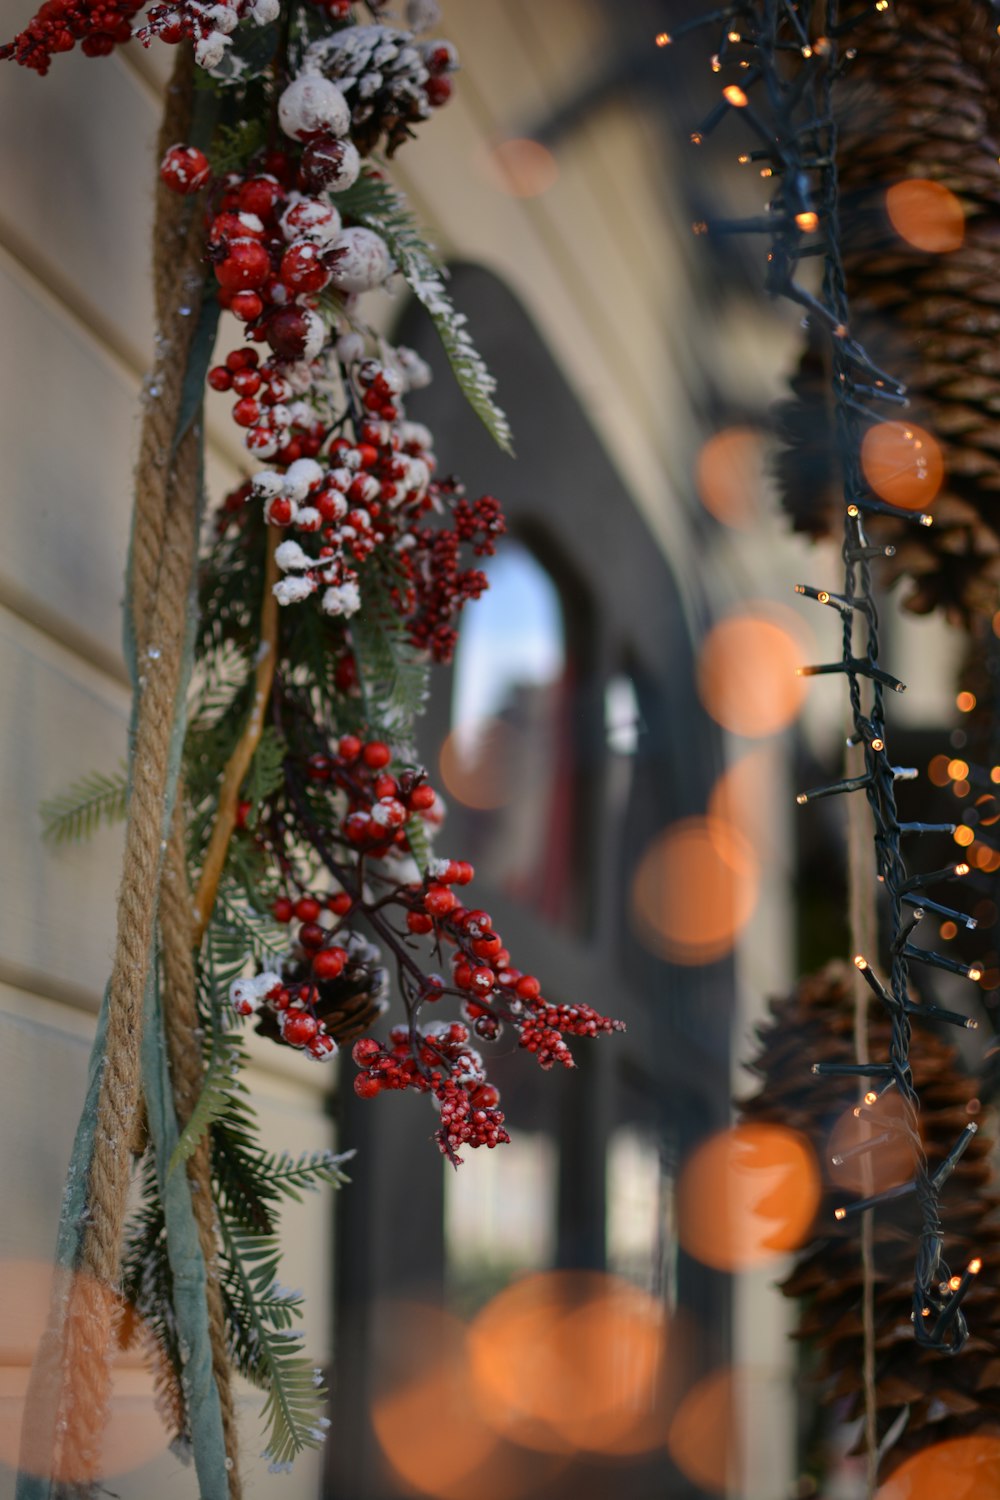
column 279, row 799
column 919, row 134
column 941, row 1398
column 784, row 60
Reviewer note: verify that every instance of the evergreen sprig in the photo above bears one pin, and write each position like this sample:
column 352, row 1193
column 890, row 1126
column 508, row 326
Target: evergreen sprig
column 77, row 813
column 378, row 205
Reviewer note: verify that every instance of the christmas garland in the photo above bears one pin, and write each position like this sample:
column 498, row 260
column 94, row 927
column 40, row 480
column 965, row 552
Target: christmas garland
column 335, row 577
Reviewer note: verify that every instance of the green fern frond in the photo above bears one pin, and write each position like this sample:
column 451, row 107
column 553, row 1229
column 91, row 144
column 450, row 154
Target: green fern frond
column 375, row 203
column 235, row 922
column 221, row 1079
column 267, row 769
column 418, row 838
column 291, row 1176
column 76, row 813
column 233, row 145
column 393, row 679
column 266, row 1346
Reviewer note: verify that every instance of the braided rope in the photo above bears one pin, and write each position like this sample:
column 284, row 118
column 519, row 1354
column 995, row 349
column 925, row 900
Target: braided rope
column 163, row 548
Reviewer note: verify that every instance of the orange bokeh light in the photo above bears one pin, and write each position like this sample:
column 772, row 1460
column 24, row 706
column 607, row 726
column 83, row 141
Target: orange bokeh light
column 989, row 810
column 743, row 798
column 965, row 702
column 963, row 1468
column 564, row 1361
column 422, row 1415
column 747, row 674
column 747, row 1195
column 926, row 214
column 705, row 1437
column 475, row 764
column 729, row 475
column 522, row 168
column 136, row 1431
column 902, row 463
column 694, row 890
column 937, row 770
column 885, row 1165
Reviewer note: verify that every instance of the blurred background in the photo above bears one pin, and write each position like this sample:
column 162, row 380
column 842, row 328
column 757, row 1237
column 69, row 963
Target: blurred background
column 593, row 1309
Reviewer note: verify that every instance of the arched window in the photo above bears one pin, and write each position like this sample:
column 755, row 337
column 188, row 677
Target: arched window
column 508, row 763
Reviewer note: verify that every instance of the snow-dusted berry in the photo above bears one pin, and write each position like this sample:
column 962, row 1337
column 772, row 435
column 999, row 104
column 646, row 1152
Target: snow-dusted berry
column 360, row 260
column 185, row 169
column 312, row 104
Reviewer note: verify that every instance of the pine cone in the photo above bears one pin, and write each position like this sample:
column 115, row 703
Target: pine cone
column 348, row 1005
column 947, row 1396
column 920, row 102
column 384, row 75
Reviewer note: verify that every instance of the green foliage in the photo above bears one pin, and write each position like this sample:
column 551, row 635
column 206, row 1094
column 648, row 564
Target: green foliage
column 377, row 204
column 267, row 769
column 266, row 1346
column 233, row 145
column 419, row 841
column 238, row 929
column 78, row 812
column 393, row 679
column 221, row 1079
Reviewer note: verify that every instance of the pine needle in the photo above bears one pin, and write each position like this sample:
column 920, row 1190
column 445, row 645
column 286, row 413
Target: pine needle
column 379, row 206
column 77, row 813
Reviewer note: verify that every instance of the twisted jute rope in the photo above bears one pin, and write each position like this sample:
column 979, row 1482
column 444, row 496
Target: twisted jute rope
column 163, row 550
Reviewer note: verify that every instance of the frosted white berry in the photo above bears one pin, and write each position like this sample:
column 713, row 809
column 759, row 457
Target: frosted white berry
column 291, row 590
column 345, row 600
column 289, row 555
column 311, row 103
column 265, row 11
column 301, row 476
column 360, row 261
column 315, row 335
column 415, row 371
column 211, row 49
column 350, row 348
column 312, row 220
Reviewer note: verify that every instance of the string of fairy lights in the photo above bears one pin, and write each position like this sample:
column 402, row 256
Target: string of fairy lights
column 787, row 71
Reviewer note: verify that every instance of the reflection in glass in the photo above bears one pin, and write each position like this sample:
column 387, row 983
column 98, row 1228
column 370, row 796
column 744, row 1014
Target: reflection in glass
column 507, row 767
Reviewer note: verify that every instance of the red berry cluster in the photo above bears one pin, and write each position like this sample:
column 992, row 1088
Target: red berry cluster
column 439, row 586
column 378, row 804
column 439, row 1061
column 98, row 25
column 179, row 21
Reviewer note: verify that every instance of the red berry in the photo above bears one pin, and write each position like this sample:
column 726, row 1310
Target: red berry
column 242, row 813
column 421, row 798
column 247, row 265
column 486, row 947
column 329, row 963
column 482, row 981
column 439, row 901
column 486, row 1096
column 528, row 988
column 438, row 91
column 246, row 412
column 303, row 270
column 246, row 382
column 358, row 828
column 219, row 378
column 307, row 908
column 322, row 1047
column 279, row 512
column 299, row 1027
column 349, row 747
column 282, row 910
column 247, row 306
column 311, row 936
column 286, row 332
column 419, row 922
column 364, row 1049
column 340, row 903
column 366, row 1086
column 259, row 195
column 185, row 169
column 376, row 754
column 385, row 786
column 318, row 767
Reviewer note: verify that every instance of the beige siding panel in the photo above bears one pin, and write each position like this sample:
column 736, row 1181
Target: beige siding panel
column 64, row 720
column 69, row 416
column 80, row 201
